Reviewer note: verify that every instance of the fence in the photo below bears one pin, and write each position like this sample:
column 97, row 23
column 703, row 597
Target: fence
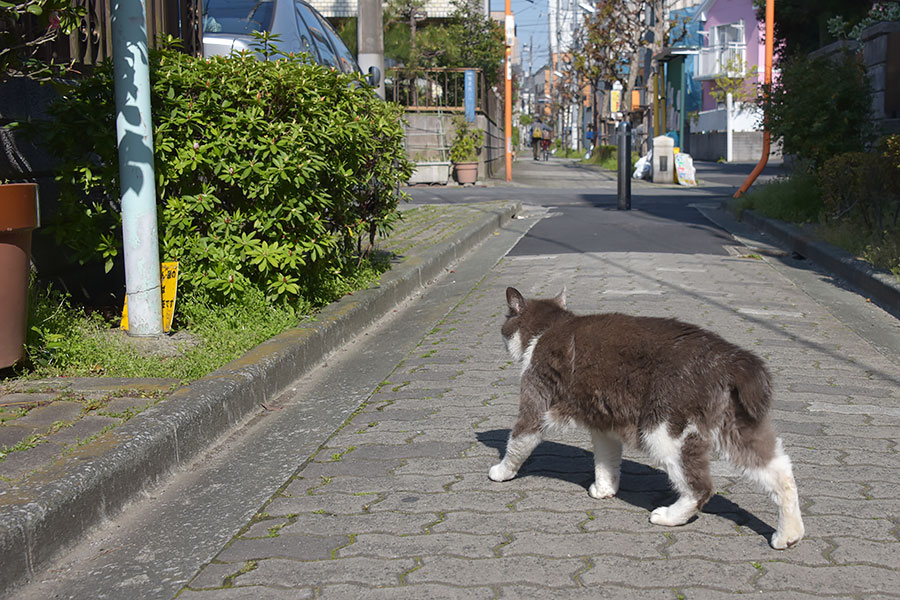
column 443, row 90
column 91, row 42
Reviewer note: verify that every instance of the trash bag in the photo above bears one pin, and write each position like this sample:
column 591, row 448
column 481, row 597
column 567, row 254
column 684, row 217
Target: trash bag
column 643, row 168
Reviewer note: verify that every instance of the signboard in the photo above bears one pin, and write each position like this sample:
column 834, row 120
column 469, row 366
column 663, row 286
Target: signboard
column 510, row 30
column 615, row 100
column 684, row 170
column 469, row 94
column 168, row 282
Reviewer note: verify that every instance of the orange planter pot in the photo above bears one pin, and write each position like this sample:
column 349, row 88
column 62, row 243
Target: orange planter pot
column 466, row 172
column 18, row 218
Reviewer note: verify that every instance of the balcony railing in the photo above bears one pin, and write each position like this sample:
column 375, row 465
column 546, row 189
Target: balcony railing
column 725, row 59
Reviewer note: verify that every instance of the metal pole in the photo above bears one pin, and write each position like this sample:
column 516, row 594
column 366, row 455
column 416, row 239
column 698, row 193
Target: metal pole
column 370, row 39
column 507, row 104
column 134, row 134
column 623, row 135
column 770, row 36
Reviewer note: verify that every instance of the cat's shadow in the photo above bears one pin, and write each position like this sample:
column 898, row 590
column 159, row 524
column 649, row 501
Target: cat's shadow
column 640, row 485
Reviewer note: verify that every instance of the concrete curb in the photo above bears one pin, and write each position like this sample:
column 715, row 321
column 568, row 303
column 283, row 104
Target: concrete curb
column 881, row 287
column 54, row 508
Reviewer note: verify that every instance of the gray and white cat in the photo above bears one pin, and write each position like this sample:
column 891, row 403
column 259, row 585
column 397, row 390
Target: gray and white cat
column 671, row 389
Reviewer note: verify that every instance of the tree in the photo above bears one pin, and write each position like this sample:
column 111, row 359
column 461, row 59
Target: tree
column 801, row 26
column 607, row 48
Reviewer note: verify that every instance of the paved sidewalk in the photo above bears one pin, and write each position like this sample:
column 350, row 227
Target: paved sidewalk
column 85, row 446
column 397, row 504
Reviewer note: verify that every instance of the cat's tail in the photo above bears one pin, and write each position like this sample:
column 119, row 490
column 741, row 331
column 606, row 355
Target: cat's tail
column 751, row 385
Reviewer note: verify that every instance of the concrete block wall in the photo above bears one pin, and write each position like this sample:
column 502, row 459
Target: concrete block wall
column 747, row 146
column 881, row 55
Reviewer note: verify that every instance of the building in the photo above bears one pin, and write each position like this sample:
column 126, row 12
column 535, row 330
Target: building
column 733, row 43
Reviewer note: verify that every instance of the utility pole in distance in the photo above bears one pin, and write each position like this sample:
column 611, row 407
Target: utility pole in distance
column 507, row 109
column 370, row 39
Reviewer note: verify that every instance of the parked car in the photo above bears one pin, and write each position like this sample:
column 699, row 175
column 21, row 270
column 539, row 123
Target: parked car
column 228, row 27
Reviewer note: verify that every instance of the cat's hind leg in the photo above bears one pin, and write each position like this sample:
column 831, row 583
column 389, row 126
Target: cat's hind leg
column 518, row 449
column 777, row 478
column 686, row 461
column 607, row 460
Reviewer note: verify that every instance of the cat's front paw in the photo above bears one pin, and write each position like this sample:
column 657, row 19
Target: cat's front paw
column 600, row 490
column 785, row 537
column 670, row 516
column 500, row 472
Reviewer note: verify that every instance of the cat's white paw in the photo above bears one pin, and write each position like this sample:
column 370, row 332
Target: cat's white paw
column 500, row 472
column 669, row 517
column 600, row 490
column 783, row 539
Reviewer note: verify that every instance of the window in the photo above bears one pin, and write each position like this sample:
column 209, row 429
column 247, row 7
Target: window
column 237, row 16
column 347, row 60
column 327, row 56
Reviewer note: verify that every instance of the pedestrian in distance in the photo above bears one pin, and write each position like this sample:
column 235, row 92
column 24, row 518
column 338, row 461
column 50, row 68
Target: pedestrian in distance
column 536, row 133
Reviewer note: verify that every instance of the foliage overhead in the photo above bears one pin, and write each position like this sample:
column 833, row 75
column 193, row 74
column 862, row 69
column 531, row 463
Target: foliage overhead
column 841, row 29
column 801, row 26
column 269, row 174
column 27, row 27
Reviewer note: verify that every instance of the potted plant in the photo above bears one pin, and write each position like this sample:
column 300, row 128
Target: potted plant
column 464, row 150
column 26, row 26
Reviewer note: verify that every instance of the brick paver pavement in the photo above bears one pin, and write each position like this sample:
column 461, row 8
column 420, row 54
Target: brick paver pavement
column 398, row 504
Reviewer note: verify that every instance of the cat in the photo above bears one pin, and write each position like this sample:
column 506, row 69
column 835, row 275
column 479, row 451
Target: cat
column 669, row 388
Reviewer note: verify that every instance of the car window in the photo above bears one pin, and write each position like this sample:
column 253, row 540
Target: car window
column 327, row 56
column 237, row 16
column 306, row 38
column 348, row 61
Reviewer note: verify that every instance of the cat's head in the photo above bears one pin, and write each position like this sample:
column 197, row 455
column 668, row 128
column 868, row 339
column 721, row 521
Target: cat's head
column 527, row 319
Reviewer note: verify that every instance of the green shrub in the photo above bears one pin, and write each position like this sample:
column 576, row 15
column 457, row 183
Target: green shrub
column 466, row 142
column 269, row 174
column 863, row 187
column 820, row 107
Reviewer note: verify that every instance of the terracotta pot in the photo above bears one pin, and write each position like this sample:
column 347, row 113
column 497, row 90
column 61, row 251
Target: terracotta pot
column 466, row 172
column 18, row 218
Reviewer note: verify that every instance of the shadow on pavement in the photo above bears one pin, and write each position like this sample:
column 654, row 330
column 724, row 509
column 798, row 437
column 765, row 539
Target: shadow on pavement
column 640, row 485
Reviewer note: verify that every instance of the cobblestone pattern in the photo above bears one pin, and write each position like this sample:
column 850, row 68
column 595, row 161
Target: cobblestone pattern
column 43, row 420
column 398, row 503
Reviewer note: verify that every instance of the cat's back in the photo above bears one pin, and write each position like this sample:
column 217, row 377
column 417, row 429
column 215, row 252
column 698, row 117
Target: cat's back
column 622, row 336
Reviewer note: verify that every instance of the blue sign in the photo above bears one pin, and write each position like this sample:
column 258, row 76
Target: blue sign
column 470, row 95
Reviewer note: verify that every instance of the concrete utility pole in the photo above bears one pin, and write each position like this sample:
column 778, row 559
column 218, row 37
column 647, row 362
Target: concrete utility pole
column 370, row 39
column 507, row 108
column 134, row 134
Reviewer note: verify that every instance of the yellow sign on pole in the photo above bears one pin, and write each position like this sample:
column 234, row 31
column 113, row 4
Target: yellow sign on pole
column 615, row 100
column 168, row 281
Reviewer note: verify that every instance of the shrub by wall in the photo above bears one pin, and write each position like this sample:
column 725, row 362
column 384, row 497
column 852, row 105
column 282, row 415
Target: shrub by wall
column 269, row 174
column 820, row 107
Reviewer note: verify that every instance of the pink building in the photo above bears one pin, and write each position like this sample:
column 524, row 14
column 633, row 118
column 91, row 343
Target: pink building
column 732, row 37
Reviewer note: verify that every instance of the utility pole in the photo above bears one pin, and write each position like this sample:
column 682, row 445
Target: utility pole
column 507, row 109
column 134, row 137
column 370, row 39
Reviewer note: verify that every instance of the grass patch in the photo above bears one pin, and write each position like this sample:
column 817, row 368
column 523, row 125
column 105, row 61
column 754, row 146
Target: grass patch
column 794, row 199
column 797, row 199
column 69, row 340
column 607, row 157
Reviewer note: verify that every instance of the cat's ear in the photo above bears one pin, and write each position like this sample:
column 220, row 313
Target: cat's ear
column 515, row 300
column 561, row 299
